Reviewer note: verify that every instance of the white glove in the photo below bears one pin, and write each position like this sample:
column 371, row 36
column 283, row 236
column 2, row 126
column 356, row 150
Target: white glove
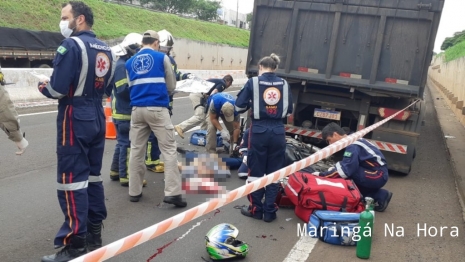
column 191, row 76
column 316, row 173
column 225, row 135
column 22, row 146
column 331, row 169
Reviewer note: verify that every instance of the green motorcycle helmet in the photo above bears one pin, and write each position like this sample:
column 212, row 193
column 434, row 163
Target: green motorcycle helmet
column 222, row 243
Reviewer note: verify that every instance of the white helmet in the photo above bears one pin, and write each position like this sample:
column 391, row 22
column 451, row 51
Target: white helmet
column 166, row 40
column 131, row 43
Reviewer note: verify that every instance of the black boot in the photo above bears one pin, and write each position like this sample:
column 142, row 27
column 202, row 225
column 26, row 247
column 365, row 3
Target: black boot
column 76, row 248
column 94, row 236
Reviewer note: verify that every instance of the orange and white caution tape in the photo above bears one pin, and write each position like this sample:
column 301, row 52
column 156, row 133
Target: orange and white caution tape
column 129, row 242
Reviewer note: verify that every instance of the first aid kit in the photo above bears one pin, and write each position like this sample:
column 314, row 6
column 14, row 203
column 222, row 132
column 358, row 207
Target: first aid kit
column 199, row 138
column 308, row 193
column 333, row 227
column 282, row 200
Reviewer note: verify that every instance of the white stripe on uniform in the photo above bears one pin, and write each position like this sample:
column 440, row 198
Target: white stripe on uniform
column 84, row 67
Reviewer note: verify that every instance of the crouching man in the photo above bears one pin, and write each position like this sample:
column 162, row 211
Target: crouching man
column 363, row 163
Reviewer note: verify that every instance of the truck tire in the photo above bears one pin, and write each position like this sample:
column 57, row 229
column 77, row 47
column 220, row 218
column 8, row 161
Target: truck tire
column 43, row 66
column 410, row 168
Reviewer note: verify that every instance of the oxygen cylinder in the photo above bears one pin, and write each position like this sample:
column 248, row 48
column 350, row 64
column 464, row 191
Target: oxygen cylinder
column 371, row 203
column 366, row 230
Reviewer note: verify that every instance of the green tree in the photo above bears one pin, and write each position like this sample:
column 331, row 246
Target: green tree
column 174, row 6
column 451, row 41
column 206, row 10
column 446, row 43
column 249, row 19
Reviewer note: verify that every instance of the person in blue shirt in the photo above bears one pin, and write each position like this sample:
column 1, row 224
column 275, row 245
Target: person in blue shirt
column 83, row 71
column 271, row 103
column 221, row 105
column 199, row 101
column 152, row 159
column 151, row 82
column 363, row 163
column 121, row 108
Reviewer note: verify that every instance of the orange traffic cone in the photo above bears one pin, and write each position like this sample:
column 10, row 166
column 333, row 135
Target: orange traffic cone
column 111, row 130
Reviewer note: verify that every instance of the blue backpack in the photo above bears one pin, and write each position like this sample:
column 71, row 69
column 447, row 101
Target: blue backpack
column 199, row 138
column 333, row 227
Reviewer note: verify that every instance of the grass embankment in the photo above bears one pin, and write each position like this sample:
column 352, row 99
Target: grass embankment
column 114, row 21
column 456, row 51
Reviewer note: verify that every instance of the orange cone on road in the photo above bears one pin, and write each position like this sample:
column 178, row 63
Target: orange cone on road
column 110, row 126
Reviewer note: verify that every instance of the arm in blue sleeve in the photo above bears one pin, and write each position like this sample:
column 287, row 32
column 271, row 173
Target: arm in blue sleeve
column 243, row 97
column 65, row 65
column 349, row 164
column 121, row 81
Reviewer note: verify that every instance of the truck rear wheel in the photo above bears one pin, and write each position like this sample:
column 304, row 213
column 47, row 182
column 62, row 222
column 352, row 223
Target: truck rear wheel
column 43, row 66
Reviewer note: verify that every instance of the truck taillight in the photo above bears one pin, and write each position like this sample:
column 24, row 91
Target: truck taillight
column 290, row 119
column 387, row 112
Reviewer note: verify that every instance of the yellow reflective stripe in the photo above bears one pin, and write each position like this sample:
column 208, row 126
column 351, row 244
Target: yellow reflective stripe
column 113, row 104
column 127, row 160
column 121, row 82
column 149, row 160
column 113, row 111
column 121, row 117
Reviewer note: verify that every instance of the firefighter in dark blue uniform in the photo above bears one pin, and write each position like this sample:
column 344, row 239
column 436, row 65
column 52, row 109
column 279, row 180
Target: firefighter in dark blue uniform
column 152, row 159
column 82, row 73
column 271, row 103
column 121, row 108
column 363, row 163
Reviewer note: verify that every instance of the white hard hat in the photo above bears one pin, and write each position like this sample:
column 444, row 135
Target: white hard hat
column 131, row 42
column 166, row 40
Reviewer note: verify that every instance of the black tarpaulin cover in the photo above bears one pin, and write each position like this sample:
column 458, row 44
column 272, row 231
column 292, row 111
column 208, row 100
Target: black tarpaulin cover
column 29, row 40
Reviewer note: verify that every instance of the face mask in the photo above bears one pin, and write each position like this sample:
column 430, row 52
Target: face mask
column 65, row 30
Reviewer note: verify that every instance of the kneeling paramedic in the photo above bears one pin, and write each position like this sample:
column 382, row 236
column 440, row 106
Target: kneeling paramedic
column 363, row 163
column 221, row 105
column 83, row 71
column 199, row 101
column 151, row 82
column 121, row 108
column 9, row 121
column 271, row 103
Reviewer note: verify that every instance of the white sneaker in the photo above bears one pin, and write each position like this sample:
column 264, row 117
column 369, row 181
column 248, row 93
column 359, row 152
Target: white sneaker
column 22, row 146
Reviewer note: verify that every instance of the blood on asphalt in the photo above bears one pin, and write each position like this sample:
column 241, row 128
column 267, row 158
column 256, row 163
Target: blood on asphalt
column 160, row 249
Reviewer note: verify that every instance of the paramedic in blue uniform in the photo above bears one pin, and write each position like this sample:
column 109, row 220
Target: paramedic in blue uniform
column 83, row 70
column 121, row 107
column 271, row 103
column 152, row 160
column 221, row 105
column 151, row 82
column 363, row 163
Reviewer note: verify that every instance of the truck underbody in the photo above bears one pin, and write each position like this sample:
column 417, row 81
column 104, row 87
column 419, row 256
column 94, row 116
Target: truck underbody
column 316, row 106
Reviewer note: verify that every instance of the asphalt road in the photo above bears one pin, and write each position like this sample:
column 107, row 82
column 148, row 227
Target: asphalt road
column 30, row 215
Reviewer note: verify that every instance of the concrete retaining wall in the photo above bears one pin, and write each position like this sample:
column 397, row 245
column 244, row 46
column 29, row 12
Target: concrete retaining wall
column 190, row 54
column 449, row 77
column 24, row 92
